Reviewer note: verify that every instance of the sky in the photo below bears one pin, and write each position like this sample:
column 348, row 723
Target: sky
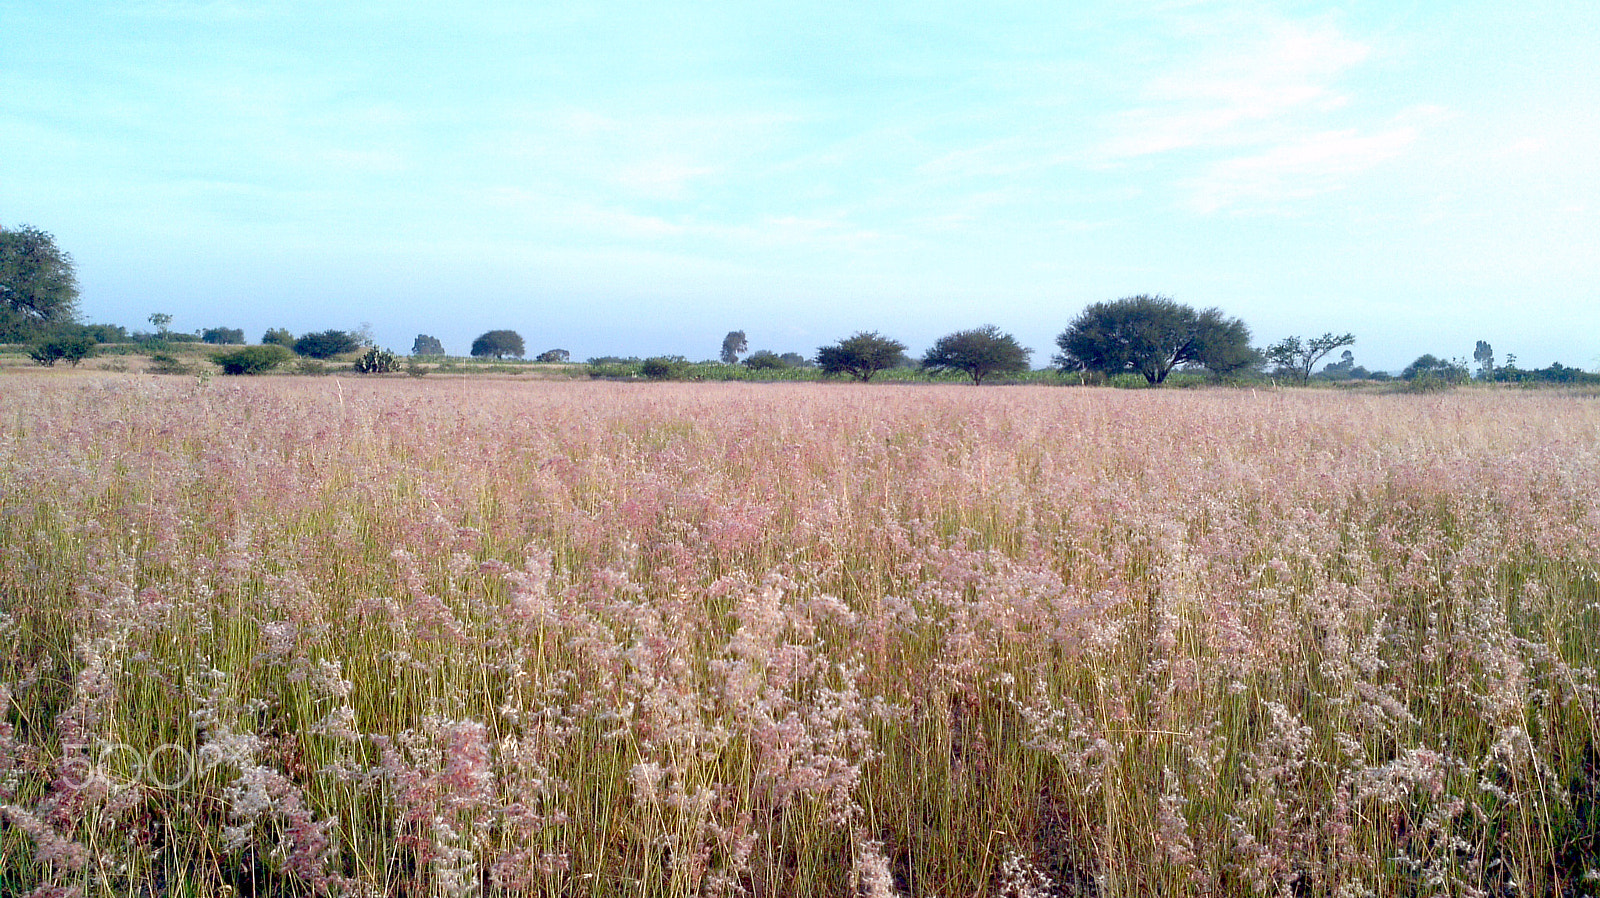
column 622, row 177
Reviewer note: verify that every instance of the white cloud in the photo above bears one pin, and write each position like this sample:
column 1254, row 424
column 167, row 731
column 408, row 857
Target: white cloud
column 661, row 178
column 1259, row 114
column 1238, row 90
column 1311, row 165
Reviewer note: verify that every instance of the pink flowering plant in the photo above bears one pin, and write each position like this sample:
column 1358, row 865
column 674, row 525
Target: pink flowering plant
column 333, row 637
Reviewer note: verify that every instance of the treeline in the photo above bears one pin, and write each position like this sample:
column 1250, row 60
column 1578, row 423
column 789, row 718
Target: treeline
column 1135, row 339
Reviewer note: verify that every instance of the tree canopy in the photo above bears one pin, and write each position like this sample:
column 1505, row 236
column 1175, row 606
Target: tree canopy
column 278, row 336
column 733, row 346
column 860, row 355
column 498, row 344
column 38, row 284
column 223, row 336
column 978, row 353
column 326, row 344
column 426, row 345
column 1483, row 354
column 1151, row 335
column 1430, row 365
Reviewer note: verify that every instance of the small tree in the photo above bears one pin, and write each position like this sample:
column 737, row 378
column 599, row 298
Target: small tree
column 978, row 353
column 160, row 320
column 72, row 348
column 794, row 360
column 251, row 359
column 498, row 344
column 426, row 345
column 553, row 356
column 861, row 355
column 1298, row 357
column 326, row 344
column 733, row 346
column 278, row 336
column 223, row 336
column 1484, row 356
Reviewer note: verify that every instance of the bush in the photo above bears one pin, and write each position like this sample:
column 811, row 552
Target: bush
column 251, row 359
column 223, row 336
column 1426, row 382
column 326, row 344
column 664, row 367
column 377, row 361
column 163, row 363
column 613, row 368
column 73, row 348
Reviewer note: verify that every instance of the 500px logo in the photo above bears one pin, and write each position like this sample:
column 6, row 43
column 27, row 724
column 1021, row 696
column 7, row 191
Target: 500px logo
column 167, row 767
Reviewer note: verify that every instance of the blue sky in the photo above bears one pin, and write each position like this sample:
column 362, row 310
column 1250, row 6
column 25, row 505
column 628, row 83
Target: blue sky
column 639, row 178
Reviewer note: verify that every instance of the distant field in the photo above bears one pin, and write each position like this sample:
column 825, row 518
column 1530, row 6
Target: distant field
column 428, row 636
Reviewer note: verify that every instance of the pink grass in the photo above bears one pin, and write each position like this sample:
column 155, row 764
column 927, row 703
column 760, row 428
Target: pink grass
column 461, row 637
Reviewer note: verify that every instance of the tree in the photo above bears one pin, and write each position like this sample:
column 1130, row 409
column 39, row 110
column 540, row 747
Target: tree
column 1484, row 356
column 978, row 353
column 1344, row 369
column 223, row 336
column 498, row 344
column 1297, row 357
column 326, row 344
column 553, row 356
column 765, row 360
column 160, row 320
column 1151, row 335
column 733, row 345
column 278, row 336
column 38, row 285
column 794, row 360
column 861, row 355
column 102, row 333
column 1431, row 366
column 665, row 367
column 73, row 348
column 251, row 359
column 426, row 345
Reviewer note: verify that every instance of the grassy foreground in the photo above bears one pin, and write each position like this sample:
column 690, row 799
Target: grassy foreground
column 323, row 636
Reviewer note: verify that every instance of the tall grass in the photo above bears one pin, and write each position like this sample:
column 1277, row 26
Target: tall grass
column 289, row 636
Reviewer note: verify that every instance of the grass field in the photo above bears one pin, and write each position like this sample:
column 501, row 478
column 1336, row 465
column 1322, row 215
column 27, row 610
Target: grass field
column 285, row 636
